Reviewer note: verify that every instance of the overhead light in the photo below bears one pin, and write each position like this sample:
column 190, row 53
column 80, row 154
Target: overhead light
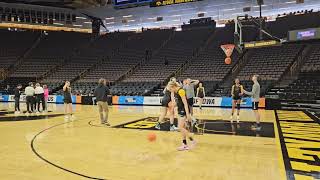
column 60, row 24
column 87, row 22
column 107, row 18
column 290, row 2
column 152, row 18
column 229, row 9
column 261, row 6
column 176, row 15
column 81, row 17
column 132, row 20
column 77, row 25
column 176, row 20
column 127, row 16
column 110, row 22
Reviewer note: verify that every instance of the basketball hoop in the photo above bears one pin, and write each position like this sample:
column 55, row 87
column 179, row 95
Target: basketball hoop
column 228, row 50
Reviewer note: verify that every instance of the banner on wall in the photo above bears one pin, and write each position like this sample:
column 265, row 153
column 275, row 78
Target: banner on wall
column 245, row 102
column 152, row 100
column 130, row 100
column 209, row 101
column 51, row 99
column 140, row 100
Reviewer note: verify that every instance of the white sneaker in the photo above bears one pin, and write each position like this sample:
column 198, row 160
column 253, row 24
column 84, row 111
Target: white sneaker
column 73, row 117
column 17, row 112
column 173, row 128
column 66, row 117
column 231, row 119
column 238, row 119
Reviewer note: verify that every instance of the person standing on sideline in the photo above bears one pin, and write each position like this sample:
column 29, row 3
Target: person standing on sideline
column 29, row 91
column 46, row 97
column 255, row 94
column 17, row 94
column 201, row 93
column 101, row 94
column 67, row 100
column 39, row 93
column 236, row 93
column 189, row 89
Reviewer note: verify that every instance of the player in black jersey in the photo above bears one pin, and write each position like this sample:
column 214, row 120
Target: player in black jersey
column 236, row 93
column 201, row 93
column 167, row 105
column 183, row 114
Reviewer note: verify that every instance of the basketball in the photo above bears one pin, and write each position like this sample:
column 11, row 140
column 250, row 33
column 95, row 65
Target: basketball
column 152, row 137
column 227, row 60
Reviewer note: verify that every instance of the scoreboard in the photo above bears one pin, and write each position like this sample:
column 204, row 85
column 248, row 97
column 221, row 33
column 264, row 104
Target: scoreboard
column 152, row 3
column 158, row 3
column 130, row 3
column 304, row 34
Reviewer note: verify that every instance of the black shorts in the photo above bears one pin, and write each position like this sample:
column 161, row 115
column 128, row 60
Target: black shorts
column 67, row 100
column 190, row 101
column 165, row 101
column 255, row 105
column 201, row 96
column 236, row 98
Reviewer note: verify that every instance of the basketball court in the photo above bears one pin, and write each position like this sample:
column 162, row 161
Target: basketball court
column 48, row 146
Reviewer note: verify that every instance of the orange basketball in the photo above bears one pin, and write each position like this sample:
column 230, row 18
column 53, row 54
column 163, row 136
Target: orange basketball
column 227, row 60
column 152, row 137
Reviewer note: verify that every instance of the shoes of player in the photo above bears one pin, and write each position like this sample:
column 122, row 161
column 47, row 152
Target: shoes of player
column 66, row 117
column 158, row 126
column 238, row 119
column 173, row 128
column 106, row 123
column 193, row 121
column 183, row 148
column 231, row 119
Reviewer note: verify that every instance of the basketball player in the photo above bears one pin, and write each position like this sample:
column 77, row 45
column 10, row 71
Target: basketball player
column 168, row 104
column 67, row 100
column 101, row 94
column 17, row 94
column 255, row 94
column 46, row 96
column 183, row 114
column 201, row 93
column 29, row 91
column 236, row 93
column 188, row 86
column 39, row 93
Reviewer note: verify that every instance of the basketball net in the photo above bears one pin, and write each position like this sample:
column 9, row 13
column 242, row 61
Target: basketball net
column 228, row 49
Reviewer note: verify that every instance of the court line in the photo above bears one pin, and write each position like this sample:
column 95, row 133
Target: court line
column 284, row 165
column 53, row 164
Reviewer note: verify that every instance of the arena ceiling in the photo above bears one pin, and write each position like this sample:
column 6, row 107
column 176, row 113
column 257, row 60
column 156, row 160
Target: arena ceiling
column 175, row 15
column 73, row 4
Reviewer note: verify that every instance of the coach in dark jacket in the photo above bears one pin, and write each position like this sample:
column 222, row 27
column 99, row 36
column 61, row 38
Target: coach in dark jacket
column 101, row 94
